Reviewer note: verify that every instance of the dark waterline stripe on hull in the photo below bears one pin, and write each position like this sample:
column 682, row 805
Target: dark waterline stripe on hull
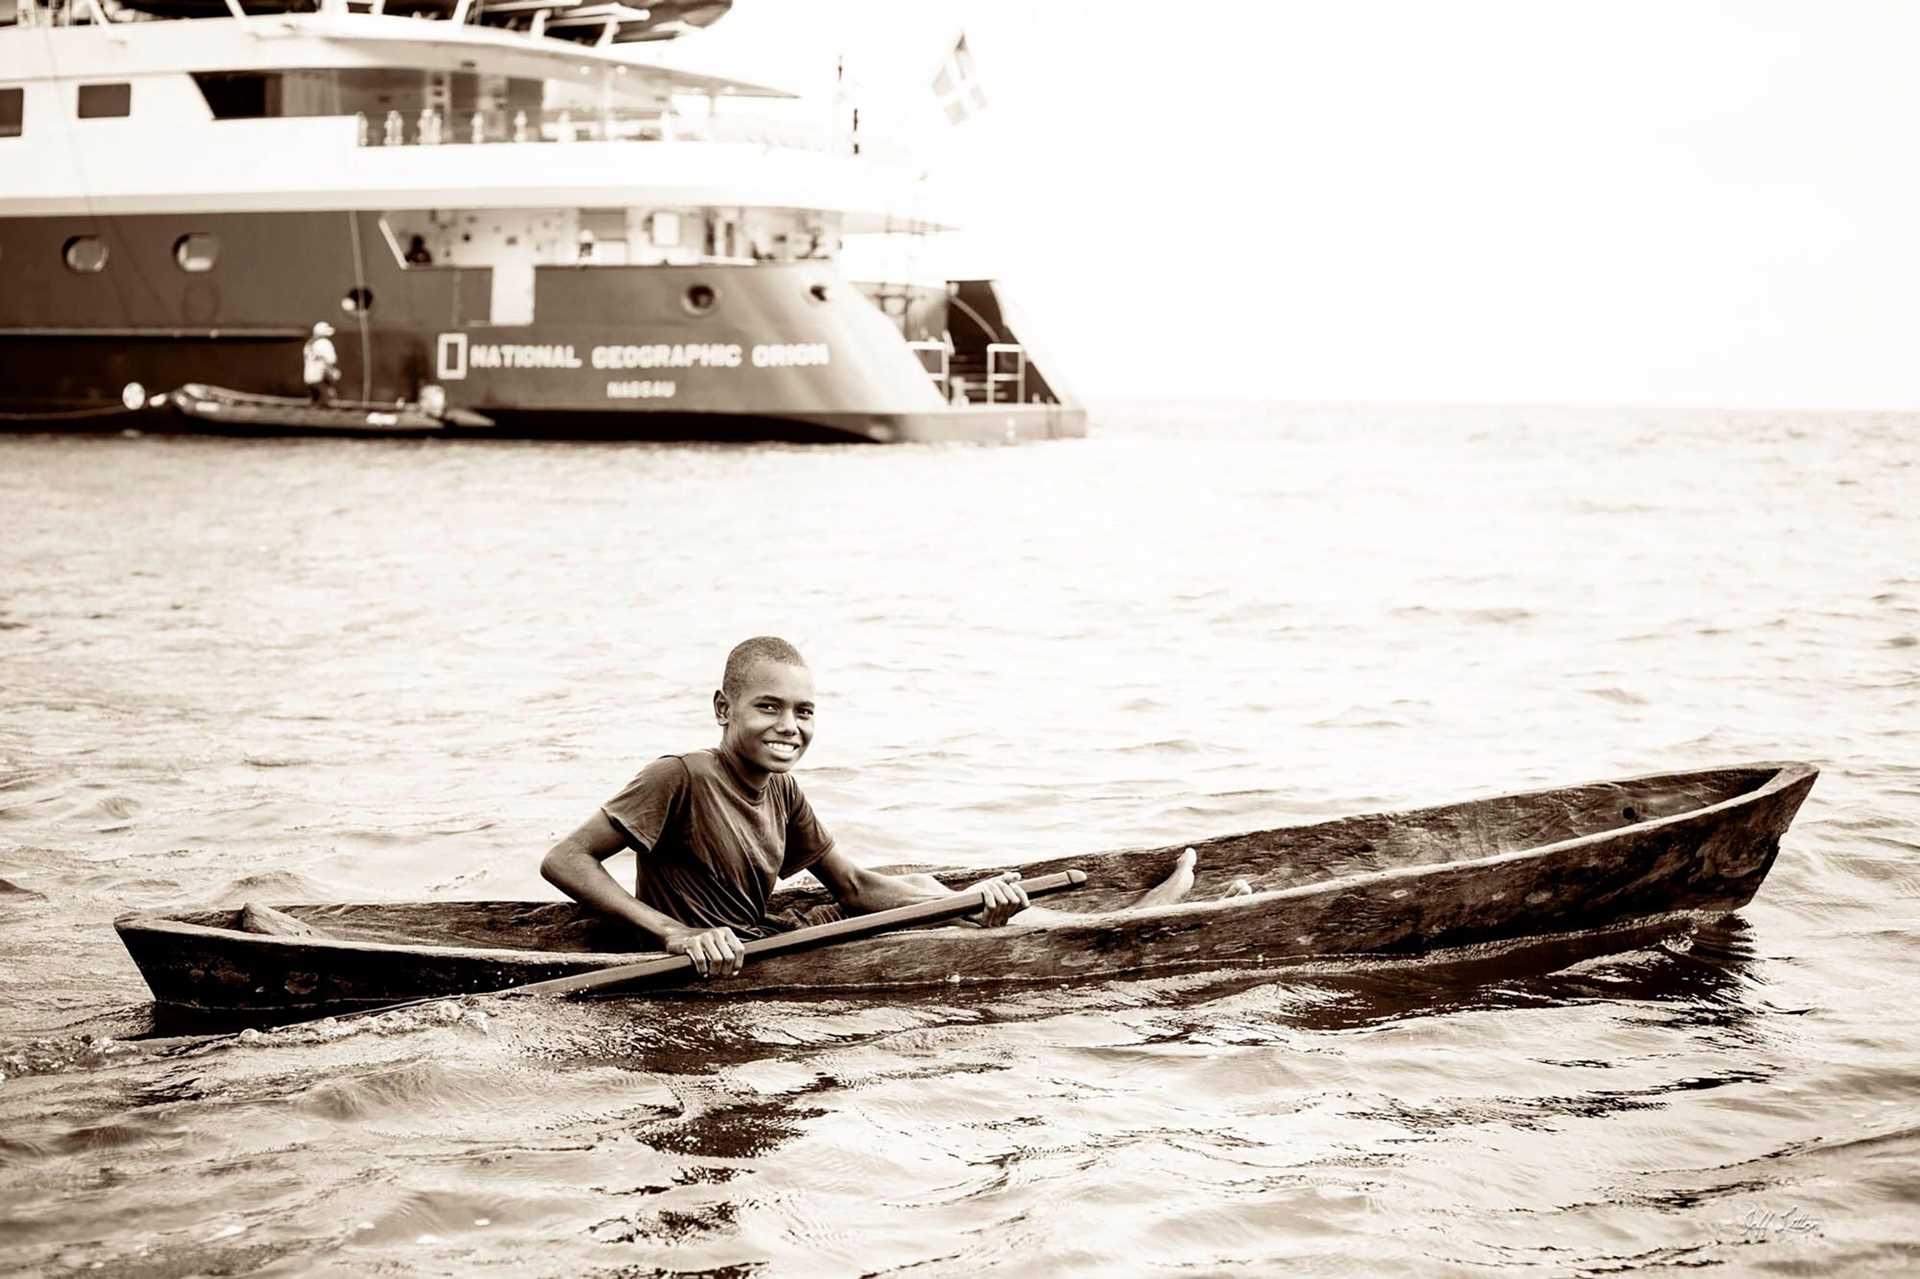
column 278, row 334
column 1007, row 425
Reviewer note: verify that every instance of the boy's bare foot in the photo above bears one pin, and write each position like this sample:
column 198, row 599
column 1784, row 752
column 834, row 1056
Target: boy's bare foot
column 1173, row 887
column 1238, row 888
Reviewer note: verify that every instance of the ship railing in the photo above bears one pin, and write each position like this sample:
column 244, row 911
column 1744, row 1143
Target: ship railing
column 57, row 13
column 1006, row 373
column 431, row 126
column 934, row 358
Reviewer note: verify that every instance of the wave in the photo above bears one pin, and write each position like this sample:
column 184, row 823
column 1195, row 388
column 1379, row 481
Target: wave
column 1619, row 695
column 1169, row 745
column 55, row 1056
column 279, row 885
column 1359, row 717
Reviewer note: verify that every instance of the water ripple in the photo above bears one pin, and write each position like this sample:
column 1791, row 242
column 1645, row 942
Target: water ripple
column 320, row 669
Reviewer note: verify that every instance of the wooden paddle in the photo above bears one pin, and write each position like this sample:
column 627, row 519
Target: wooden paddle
column 879, row 921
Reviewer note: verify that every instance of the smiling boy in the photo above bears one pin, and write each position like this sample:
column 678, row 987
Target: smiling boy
column 715, row 830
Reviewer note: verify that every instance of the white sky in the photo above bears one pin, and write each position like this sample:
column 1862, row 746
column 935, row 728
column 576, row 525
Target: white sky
column 1677, row 202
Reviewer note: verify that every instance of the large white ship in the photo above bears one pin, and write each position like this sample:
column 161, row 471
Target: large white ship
column 518, row 216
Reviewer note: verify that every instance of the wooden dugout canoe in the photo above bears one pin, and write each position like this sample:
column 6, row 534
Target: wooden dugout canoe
column 1542, row 862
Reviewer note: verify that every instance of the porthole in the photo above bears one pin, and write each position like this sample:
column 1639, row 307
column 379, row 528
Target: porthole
column 196, row 252
column 86, row 254
column 700, row 299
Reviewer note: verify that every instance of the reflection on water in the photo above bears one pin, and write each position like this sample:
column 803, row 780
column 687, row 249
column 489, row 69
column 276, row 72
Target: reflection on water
column 704, row 1098
column 326, row 670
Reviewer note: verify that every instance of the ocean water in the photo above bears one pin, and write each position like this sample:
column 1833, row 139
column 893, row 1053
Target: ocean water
column 322, row 669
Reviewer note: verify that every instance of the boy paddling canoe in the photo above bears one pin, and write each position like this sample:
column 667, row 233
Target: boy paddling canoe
column 714, row 830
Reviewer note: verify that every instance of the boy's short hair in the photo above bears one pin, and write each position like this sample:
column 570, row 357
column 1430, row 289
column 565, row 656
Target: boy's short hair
column 750, row 653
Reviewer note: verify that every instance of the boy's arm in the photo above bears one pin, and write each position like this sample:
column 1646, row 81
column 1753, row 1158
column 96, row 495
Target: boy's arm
column 861, row 891
column 576, row 867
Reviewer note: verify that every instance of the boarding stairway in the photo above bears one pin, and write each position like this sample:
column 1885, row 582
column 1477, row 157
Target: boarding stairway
column 979, row 359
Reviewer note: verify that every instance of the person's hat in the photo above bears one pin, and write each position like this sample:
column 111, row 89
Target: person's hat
column 323, row 330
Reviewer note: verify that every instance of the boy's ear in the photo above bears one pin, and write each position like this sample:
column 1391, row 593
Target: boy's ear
column 719, row 706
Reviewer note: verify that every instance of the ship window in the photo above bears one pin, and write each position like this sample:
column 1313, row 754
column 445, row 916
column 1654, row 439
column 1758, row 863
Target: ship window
column 10, row 111
column 105, row 101
column 196, row 252
column 86, row 254
column 700, row 299
column 235, row 95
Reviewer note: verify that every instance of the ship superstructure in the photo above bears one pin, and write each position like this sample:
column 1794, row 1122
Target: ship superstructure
column 521, row 209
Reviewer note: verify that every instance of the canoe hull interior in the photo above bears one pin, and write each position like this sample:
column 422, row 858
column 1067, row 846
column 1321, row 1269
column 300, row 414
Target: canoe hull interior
column 1547, row 862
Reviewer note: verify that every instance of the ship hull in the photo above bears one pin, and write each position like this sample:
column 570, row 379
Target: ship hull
column 788, row 350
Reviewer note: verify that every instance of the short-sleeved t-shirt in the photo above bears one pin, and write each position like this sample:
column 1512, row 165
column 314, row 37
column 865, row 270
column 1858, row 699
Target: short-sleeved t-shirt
column 711, row 848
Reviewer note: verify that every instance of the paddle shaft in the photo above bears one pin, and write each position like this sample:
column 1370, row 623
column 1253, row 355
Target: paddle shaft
column 879, row 921
column 799, row 939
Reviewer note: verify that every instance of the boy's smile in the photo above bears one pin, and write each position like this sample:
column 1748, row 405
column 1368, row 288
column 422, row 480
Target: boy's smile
column 767, row 728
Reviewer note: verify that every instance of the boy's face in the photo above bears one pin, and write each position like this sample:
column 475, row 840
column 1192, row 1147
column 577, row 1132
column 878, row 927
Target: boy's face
column 769, row 726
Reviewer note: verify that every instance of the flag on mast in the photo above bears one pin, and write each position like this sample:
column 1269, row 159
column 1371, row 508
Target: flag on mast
column 960, row 94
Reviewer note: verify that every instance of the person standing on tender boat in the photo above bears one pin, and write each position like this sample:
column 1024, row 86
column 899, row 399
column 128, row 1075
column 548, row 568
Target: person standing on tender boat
column 715, row 830
column 320, row 364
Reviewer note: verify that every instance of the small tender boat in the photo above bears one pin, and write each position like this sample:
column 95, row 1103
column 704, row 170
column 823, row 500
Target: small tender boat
column 243, row 411
column 1543, row 862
